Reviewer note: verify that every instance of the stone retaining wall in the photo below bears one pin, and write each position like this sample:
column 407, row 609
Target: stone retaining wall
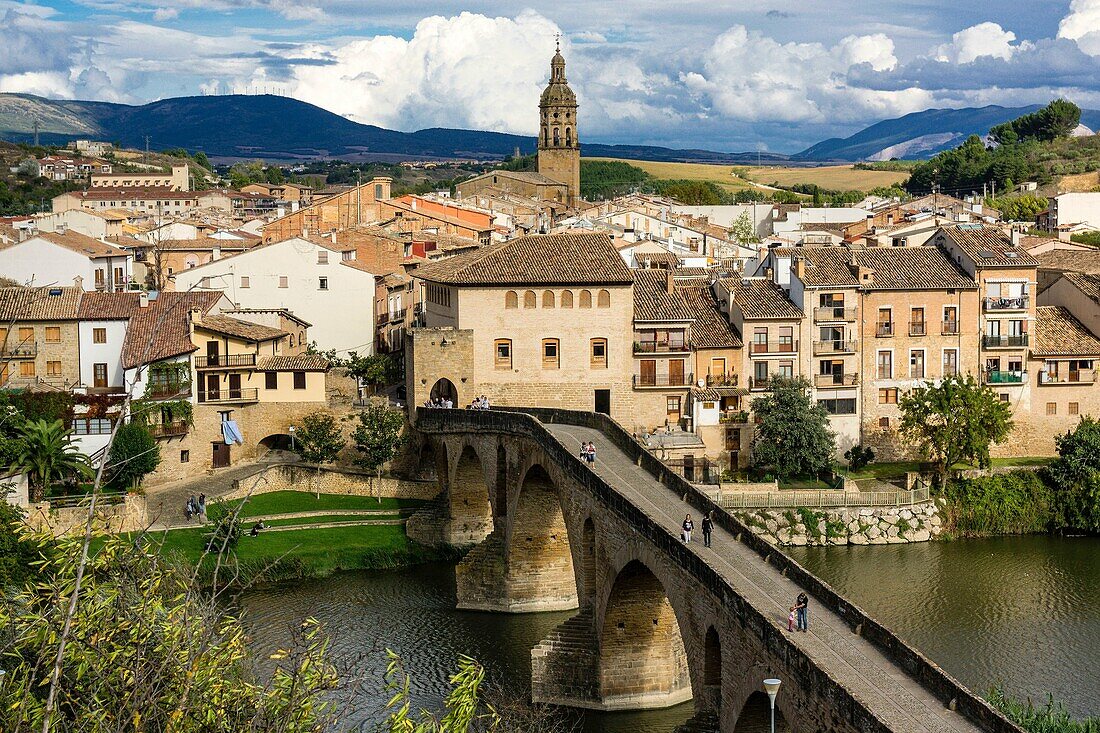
column 128, row 515
column 845, row 526
column 329, row 480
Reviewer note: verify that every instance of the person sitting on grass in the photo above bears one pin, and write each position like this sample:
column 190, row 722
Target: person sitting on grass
column 255, row 531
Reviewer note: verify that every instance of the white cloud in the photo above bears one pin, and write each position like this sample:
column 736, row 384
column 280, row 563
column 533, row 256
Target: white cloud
column 1082, row 25
column 163, row 14
column 588, row 37
column 977, row 41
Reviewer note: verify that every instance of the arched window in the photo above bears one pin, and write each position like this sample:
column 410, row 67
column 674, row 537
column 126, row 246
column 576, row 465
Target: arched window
column 529, row 299
column 546, row 135
column 301, row 337
column 586, row 299
column 511, row 300
column 547, row 298
column 557, row 136
column 292, row 341
column 569, row 137
column 567, row 299
column 603, row 300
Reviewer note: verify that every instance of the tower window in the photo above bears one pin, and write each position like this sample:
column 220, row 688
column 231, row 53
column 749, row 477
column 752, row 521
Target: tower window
column 557, row 136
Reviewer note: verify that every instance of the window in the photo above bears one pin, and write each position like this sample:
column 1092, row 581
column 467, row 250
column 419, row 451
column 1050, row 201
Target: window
column 1074, row 408
column 916, row 322
column 884, row 422
column 950, row 320
column 26, row 335
column 599, row 354
column 885, row 365
column 888, row 396
column 1052, row 408
column 547, row 298
column 885, row 324
column 845, row 406
column 603, row 299
column 1004, row 396
column 91, row 426
column 322, row 283
column 244, row 281
column 283, row 281
column 760, row 340
column 271, row 380
column 672, row 407
column 916, row 364
column 950, row 362
column 567, row 299
column 511, row 299
column 53, row 369
column 53, row 334
column 119, row 279
column 99, row 335
column 550, row 356
column 586, row 299
column 502, row 350
column 299, row 380
column 185, row 456
column 529, row 299
column 322, row 257
column 26, row 369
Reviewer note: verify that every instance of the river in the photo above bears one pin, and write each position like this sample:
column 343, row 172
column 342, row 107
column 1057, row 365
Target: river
column 1020, row 612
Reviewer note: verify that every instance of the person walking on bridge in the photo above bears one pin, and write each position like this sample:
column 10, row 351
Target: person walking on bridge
column 687, row 526
column 708, row 527
column 802, row 612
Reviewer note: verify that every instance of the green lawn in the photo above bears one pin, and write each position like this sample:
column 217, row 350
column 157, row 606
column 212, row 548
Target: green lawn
column 900, row 468
column 322, row 519
column 805, row 484
column 287, row 502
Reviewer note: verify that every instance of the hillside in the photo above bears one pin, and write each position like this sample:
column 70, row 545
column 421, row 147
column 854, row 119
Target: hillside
column 272, row 127
column 922, row 134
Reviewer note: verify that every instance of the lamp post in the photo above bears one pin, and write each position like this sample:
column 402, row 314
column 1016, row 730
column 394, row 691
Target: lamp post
column 771, row 686
column 293, row 430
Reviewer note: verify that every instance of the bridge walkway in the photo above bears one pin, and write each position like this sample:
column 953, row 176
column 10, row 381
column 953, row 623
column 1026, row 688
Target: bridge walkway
column 884, row 687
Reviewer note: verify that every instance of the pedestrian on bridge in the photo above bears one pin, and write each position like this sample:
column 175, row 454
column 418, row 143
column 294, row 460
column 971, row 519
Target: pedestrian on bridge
column 687, row 526
column 708, row 527
column 801, row 608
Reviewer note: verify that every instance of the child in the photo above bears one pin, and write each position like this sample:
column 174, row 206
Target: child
column 790, row 620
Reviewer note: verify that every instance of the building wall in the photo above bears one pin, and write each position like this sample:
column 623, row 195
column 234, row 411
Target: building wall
column 178, row 179
column 39, row 262
column 66, row 351
column 564, row 165
column 353, row 207
column 109, row 353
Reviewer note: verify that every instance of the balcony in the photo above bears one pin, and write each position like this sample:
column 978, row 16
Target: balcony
column 835, row 346
column 383, row 319
column 774, row 347
column 167, row 391
column 229, row 396
column 398, row 316
column 27, row 350
column 949, row 328
column 834, row 313
column 918, row 328
column 734, row 417
column 722, row 380
column 1079, row 376
column 835, row 380
column 176, row 429
column 1017, row 303
column 762, row 383
column 662, row 380
column 1004, row 342
column 225, row 361
column 105, row 391
column 657, row 347
column 884, row 329
column 995, row 376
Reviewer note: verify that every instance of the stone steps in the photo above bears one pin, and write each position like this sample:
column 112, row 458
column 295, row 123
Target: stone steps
column 565, row 666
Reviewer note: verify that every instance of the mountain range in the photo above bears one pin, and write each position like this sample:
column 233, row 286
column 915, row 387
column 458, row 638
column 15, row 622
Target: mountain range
column 282, row 128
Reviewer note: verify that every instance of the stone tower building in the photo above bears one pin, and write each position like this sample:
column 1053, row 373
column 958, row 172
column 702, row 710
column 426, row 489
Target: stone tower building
column 559, row 148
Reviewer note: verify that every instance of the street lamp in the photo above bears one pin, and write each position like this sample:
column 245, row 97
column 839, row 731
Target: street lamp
column 293, row 430
column 771, row 686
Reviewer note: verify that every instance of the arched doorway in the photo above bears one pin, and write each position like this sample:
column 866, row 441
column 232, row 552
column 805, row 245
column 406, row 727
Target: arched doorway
column 471, row 515
column 275, row 441
column 755, row 716
column 539, row 562
column 642, row 659
column 444, row 390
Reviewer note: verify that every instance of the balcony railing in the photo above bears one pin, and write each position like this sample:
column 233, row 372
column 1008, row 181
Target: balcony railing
column 655, row 347
column 1003, row 342
column 835, row 380
column 949, row 328
column 735, row 417
column 722, row 380
column 398, row 315
column 835, row 346
column 224, row 361
column 175, row 429
column 106, row 391
column 918, row 328
column 167, row 391
column 774, row 347
column 662, row 380
column 995, row 376
column 27, row 350
column 834, row 313
column 229, row 395
column 383, row 319
column 884, row 329
column 1017, row 303
column 759, row 383
column 1080, row 376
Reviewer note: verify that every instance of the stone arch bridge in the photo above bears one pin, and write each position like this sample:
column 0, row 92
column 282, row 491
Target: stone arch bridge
column 658, row 621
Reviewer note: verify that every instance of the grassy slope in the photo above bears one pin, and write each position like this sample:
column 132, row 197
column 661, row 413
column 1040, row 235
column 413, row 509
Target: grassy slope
column 286, row 502
column 723, row 175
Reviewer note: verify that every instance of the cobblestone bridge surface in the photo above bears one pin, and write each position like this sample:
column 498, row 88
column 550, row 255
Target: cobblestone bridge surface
column 855, row 662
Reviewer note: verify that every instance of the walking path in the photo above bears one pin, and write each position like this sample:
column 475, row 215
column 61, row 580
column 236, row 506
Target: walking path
column 899, row 700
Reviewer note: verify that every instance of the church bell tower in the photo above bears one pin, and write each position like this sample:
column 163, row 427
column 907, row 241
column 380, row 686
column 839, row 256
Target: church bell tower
column 559, row 149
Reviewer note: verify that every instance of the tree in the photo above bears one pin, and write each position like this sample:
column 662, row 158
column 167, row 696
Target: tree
column 1019, row 208
column 18, row 550
column 792, row 433
column 743, row 229
column 134, row 454
column 859, row 456
column 376, row 369
column 956, row 420
column 45, row 453
column 201, row 159
column 1075, row 476
column 320, row 439
column 225, row 526
column 378, row 436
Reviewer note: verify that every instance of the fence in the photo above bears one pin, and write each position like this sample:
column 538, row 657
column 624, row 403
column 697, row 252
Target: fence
column 817, row 499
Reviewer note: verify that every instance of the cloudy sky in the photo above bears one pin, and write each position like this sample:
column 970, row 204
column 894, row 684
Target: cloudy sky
column 721, row 74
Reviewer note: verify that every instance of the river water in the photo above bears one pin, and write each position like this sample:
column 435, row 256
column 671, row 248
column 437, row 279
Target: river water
column 1021, row 612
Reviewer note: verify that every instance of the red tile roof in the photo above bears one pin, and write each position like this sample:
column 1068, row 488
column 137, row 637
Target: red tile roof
column 163, row 329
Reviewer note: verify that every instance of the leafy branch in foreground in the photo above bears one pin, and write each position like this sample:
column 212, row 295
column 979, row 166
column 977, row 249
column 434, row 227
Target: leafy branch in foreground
column 464, row 709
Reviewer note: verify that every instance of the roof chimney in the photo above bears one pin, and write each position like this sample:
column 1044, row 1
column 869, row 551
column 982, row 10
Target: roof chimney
column 800, row 268
column 196, row 316
column 669, row 284
column 216, row 252
column 1015, row 235
column 143, row 299
column 78, row 282
column 865, row 274
column 332, row 236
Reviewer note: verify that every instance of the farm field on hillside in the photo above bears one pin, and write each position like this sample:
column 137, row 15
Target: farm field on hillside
column 830, row 177
column 723, row 175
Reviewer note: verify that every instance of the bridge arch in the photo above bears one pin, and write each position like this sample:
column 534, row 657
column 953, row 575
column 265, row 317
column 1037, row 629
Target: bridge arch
column 754, row 714
column 468, row 497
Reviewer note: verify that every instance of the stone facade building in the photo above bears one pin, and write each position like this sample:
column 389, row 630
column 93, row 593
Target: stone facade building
column 559, row 140
column 39, row 338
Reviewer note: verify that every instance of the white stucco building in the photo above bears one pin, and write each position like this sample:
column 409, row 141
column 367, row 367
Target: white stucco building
column 58, row 258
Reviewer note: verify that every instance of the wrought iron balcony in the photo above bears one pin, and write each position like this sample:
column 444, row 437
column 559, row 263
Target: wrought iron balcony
column 1004, row 342
column 225, row 396
column 774, row 347
column 176, row 429
column 722, row 380
column 225, row 361
column 655, row 347
column 835, row 380
column 949, row 328
column 663, row 380
column 735, row 417
column 1017, row 303
column 834, row 313
column 918, row 328
column 165, row 391
column 26, row 350
column 884, row 329
column 1077, row 376
column 835, row 346
column 996, row 376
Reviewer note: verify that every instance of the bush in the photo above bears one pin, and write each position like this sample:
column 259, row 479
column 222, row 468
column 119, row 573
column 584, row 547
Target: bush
column 859, row 457
column 134, row 454
column 1014, row 503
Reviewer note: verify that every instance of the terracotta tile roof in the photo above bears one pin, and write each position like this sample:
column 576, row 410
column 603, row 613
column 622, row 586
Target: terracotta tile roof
column 299, row 363
column 543, row 259
column 911, row 268
column 110, row 193
column 711, row 329
column 1058, row 333
column 825, row 266
column 97, row 306
column 658, row 258
column 162, row 330
column 759, row 298
column 692, row 272
column 1089, row 285
column 1068, row 260
column 204, row 244
column 81, row 244
column 653, row 302
column 282, row 312
column 237, row 328
column 989, row 246
column 39, row 304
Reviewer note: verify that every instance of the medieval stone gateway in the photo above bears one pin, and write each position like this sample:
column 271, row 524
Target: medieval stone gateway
column 659, row 622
